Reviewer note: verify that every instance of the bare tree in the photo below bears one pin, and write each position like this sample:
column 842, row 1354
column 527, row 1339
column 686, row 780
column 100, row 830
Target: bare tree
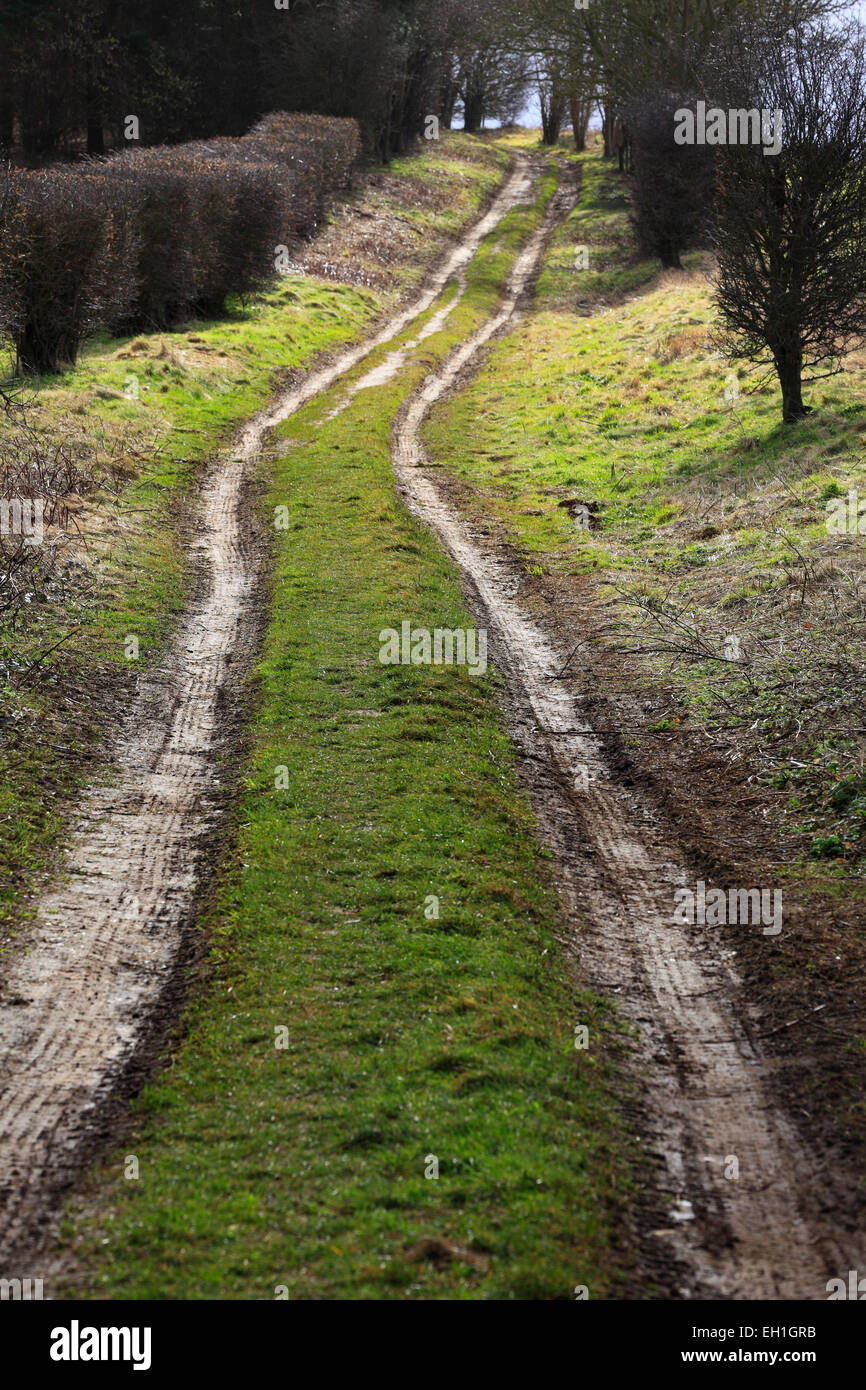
column 790, row 228
column 640, row 44
column 581, row 100
column 491, row 73
column 551, row 85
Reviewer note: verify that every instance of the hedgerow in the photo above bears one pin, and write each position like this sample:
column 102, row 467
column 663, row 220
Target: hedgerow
column 156, row 236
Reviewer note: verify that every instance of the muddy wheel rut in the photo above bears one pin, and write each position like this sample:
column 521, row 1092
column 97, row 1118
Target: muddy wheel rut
column 701, row 1073
column 100, row 958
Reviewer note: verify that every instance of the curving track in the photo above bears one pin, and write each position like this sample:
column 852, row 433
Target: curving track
column 79, row 1001
column 762, row 1235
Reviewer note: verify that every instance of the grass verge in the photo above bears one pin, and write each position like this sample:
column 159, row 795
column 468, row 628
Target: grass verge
column 675, row 534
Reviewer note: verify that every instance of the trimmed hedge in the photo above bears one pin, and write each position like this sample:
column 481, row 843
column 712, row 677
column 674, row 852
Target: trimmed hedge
column 152, row 237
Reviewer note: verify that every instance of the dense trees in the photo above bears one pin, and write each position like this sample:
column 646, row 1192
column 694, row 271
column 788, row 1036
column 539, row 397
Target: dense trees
column 81, row 76
column 638, row 45
column 72, row 71
column 671, row 187
column 490, row 75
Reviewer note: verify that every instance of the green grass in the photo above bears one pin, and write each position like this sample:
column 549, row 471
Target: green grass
column 194, row 386
column 130, row 578
column 595, row 227
column 371, row 790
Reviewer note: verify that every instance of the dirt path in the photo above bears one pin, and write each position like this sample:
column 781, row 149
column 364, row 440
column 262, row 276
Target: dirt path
column 105, row 950
column 760, row 1234
column 99, row 967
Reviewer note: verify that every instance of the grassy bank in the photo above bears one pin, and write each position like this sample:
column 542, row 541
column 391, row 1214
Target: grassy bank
column 389, row 994
column 707, row 549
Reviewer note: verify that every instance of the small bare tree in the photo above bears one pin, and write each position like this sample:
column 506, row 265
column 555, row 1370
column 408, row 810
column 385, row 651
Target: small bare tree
column 790, row 228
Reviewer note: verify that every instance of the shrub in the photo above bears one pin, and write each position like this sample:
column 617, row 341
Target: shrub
column 151, row 237
column 67, row 242
column 789, row 229
column 42, row 484
column 160, row 195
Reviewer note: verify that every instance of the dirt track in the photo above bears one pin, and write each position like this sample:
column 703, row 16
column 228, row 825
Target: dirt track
column 762, row 1234
column 103, row 949
column 101, row 954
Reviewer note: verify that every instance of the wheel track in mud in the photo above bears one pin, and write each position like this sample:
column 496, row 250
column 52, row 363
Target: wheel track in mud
column 701, row 1074
column 100, row 957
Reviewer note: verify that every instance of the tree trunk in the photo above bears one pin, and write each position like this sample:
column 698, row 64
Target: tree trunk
column 473, row 112
column 7, row 124
column 625, row 152
column 669, row 255
column 579, row 111
column 448, row 100
column 607, row 124
column 789, row 368
column 385, row 139
column 95, row 136
column 552, row 116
